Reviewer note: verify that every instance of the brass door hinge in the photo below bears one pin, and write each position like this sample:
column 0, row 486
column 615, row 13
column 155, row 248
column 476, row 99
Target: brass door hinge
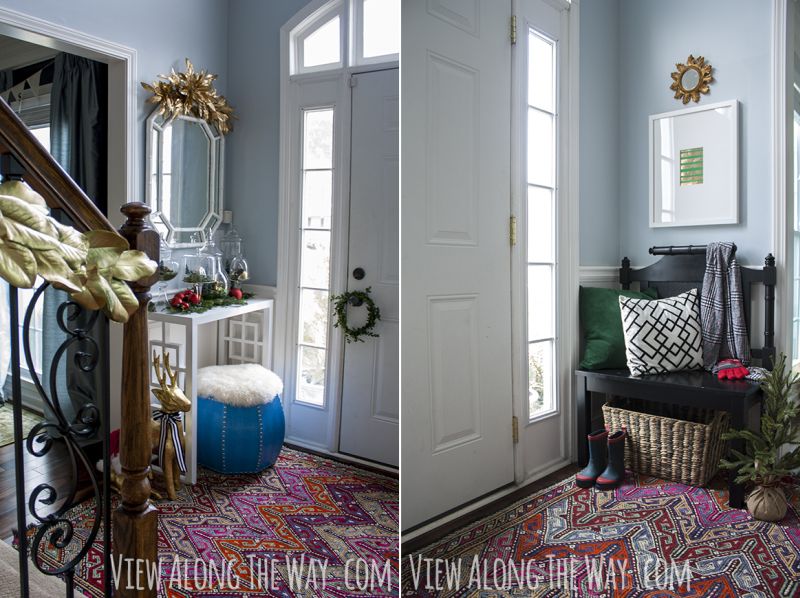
column 513, row 29
column 515, row 429
column 512, row 230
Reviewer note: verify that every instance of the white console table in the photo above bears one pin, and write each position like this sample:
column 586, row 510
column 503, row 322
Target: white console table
column 222, row 335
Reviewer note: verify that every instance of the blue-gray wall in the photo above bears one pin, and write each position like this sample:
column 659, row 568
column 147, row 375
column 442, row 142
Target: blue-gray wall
column 599, row 133
column 735, row 36
column 162, row 32
column 253, row 147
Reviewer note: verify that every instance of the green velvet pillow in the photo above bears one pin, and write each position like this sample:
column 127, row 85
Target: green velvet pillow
column 604, row 343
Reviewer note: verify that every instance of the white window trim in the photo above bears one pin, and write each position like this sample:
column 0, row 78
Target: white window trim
column 565, row 351
column 307, row 424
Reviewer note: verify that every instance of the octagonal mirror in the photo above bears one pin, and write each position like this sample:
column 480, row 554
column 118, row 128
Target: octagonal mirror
column 184, row 178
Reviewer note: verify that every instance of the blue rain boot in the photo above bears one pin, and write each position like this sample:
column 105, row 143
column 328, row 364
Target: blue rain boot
column 597, row 460
column 614, row 474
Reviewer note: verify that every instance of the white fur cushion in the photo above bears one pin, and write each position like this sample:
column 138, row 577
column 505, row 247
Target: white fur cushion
column 242, row 385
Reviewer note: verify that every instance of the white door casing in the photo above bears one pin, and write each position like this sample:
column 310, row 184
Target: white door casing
column 455, row 268
column 370, row 382
column 546, row 442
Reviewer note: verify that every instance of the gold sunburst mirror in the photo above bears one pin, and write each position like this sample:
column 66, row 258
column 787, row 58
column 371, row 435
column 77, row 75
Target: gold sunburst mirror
column 691, row 79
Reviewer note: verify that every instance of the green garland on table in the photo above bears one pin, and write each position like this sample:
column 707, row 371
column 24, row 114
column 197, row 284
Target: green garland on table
column 340, row 302
column 207, row 304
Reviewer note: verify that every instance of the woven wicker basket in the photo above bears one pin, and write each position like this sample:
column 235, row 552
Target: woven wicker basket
column 685, row 450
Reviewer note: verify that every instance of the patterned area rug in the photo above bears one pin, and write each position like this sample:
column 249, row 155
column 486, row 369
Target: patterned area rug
column 308, row 526
column 29, row 419
column 648, row 538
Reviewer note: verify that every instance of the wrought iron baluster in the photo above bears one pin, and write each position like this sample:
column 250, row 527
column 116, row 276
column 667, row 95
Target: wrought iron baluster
column 19, row 464
column 56, row 527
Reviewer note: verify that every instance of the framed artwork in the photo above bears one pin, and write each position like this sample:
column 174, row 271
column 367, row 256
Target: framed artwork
column 694, row 166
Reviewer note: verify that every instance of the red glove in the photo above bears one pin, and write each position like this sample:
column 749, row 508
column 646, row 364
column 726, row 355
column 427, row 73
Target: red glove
column 731, row 369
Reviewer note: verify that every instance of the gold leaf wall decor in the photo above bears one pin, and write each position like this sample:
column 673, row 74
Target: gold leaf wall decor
column 691, row 79
column 191, row 93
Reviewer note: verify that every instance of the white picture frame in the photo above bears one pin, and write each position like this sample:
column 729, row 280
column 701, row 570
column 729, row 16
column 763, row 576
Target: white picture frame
column 694, row 166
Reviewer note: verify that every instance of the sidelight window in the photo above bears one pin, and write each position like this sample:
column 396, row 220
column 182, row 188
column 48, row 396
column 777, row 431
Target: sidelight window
column 315, row 254
column 541, row 203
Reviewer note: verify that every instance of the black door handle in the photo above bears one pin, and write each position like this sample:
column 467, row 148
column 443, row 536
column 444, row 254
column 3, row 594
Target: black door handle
column 359, row 273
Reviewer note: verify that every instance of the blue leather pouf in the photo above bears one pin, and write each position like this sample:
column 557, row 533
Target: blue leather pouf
column 239, row 439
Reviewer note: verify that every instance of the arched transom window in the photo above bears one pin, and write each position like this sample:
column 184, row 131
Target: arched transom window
column 346, row 33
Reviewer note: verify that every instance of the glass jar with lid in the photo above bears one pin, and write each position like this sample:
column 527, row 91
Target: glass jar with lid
column 218, row 285
column 235, row 263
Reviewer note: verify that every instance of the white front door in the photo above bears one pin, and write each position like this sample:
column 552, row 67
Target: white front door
column 370, row 395
column 456, row 267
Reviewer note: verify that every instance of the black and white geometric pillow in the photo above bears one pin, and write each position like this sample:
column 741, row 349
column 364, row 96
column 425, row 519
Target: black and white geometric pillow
column 662, row 335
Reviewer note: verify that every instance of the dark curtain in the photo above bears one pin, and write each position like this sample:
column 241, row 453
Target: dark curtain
column 6, row 79
column 79, row 123
column 78, row 141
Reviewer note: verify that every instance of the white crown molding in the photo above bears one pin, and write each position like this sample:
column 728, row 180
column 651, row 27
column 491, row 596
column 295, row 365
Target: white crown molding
column 51, row 35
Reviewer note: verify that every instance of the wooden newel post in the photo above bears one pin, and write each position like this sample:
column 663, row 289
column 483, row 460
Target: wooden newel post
column 135, row 525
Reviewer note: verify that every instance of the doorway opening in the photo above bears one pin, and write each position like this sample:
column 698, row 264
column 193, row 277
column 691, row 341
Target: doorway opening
column 122, row 163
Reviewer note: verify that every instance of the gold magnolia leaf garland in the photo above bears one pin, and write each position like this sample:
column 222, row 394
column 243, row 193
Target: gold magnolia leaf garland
column 93, row 268
column 191, row 93
column 705, row 77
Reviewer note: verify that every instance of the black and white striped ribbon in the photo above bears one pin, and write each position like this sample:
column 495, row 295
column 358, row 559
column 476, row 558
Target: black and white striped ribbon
column 170, row 420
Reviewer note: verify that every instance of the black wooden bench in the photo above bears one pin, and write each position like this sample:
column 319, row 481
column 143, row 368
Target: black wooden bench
column 682, row 269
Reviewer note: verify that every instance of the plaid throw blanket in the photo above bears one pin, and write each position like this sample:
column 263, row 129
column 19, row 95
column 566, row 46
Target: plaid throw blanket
column 722, row 307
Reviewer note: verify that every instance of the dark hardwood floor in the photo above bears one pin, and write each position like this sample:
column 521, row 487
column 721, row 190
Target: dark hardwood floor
column 432, row 536
column 54, row 468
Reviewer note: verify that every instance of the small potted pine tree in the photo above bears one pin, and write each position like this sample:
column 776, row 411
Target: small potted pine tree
column 773, row 453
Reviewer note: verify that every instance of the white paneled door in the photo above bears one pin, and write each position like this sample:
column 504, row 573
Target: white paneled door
column 456, row 267
column 370, row 395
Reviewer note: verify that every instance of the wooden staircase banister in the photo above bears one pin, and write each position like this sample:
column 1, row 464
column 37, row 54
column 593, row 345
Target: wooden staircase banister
column 135, row 521
column 46, row 176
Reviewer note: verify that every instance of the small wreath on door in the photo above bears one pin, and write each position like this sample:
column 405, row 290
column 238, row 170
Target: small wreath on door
column 356, row 299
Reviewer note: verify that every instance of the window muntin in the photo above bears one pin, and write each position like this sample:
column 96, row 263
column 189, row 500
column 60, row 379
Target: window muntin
column 541, row 210
column 315, row 253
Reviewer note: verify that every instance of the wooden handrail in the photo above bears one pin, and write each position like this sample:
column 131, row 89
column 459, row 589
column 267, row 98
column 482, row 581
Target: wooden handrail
column 46, row 176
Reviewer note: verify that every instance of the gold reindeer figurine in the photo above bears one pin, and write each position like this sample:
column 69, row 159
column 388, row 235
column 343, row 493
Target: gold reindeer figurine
column 173, row 401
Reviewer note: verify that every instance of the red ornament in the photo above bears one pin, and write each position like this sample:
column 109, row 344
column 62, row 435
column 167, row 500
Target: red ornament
column 235, row 293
